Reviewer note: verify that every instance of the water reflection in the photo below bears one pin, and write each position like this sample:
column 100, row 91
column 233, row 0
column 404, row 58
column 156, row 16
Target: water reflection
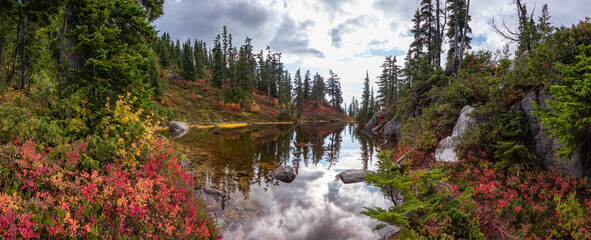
column 239, row 162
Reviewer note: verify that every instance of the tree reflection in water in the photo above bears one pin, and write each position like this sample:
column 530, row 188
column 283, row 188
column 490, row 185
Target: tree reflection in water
column 240, row 161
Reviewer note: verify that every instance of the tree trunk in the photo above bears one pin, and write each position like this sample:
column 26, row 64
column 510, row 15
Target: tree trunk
column 23, row 56
column 456, row 30
column 464, row 35
column 437, row 36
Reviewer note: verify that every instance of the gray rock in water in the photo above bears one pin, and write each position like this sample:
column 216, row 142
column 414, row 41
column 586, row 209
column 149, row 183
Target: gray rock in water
column 177, row 129
column 176, row 126
column 353, row 175
column 285, row 174
column 214, row 192
column 541, row 145
column 445, row 151
column 219, row 121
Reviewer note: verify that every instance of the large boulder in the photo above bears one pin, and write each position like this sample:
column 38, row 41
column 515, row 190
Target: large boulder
column 445, row 151
column 177, row 129
column 392, row 128
column 375, row 119
column 353, row 175
column 543, row 146
column 285, row 174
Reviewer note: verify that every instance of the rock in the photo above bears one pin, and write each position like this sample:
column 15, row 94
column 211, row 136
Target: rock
column 541, row 145
column 464, row 122
column 173, row 76
column 375, row 119
column 217, row 132
column 392, row 128
column 242, row 174
column 219, row 121
column 285, row 174
column 214, row 192
column 177, row 129
column 353, row 175
column 445, row 151
column 184, row 162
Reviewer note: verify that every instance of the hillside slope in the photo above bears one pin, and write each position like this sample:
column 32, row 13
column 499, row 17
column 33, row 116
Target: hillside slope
column 197, row 102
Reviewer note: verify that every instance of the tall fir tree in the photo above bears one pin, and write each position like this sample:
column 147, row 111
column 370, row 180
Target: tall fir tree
column 459, row 28
column 363, row 115
column 188, row 67
column 333, row 88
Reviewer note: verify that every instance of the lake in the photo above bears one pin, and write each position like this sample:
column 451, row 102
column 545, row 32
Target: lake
column 239, row 163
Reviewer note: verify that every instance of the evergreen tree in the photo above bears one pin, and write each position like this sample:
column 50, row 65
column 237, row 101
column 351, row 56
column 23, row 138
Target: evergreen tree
column 364, row 111
column 458, row 33
column 164, row 51
column 307, row 86
column 318, row 90
column 28, row 16
column 333, row 88
column 218, row 64
column 199, row 60
column 188, row 67
column 389, row 84
column 111, row 47
column 299, row 93
column 569, row 120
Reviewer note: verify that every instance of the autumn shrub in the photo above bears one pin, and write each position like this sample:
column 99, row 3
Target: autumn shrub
column 419, row 131
column 46, row 195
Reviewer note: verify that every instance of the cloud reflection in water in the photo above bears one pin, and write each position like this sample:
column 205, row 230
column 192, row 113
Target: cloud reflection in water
column 313, row 206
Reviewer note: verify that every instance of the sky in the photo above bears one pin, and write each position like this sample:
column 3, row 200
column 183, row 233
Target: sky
column 348, row 37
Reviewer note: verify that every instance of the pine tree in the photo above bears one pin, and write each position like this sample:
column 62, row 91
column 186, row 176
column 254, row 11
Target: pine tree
column 307, row 86
column 569, row 118
column 364, row 111
column 112, row 38
column 299, row 93
column 218, row 63
column 389, row 85
column 188, row 67
column 333, row 88
column 318, row 89
column 199, row 61
column 458, row 33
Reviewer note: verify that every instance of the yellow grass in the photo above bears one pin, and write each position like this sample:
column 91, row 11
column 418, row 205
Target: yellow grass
column 223, row 125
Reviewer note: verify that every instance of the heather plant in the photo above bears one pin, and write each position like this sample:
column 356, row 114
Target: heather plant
column 45, row 195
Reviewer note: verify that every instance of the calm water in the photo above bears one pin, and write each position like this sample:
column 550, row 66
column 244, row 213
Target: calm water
column 240, row 161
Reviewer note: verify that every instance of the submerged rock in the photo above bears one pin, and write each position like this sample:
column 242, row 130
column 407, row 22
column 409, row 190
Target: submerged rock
column 353, row 175
column 285, row 174
column 177, row 129
column 445, row 151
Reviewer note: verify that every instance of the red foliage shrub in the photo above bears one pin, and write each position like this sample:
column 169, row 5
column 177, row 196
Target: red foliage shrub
column 46, row 195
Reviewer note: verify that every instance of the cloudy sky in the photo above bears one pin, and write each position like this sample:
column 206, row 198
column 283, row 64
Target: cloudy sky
column 346, row 36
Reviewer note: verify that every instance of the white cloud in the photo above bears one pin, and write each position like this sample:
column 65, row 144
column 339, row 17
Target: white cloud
column 308, row 44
